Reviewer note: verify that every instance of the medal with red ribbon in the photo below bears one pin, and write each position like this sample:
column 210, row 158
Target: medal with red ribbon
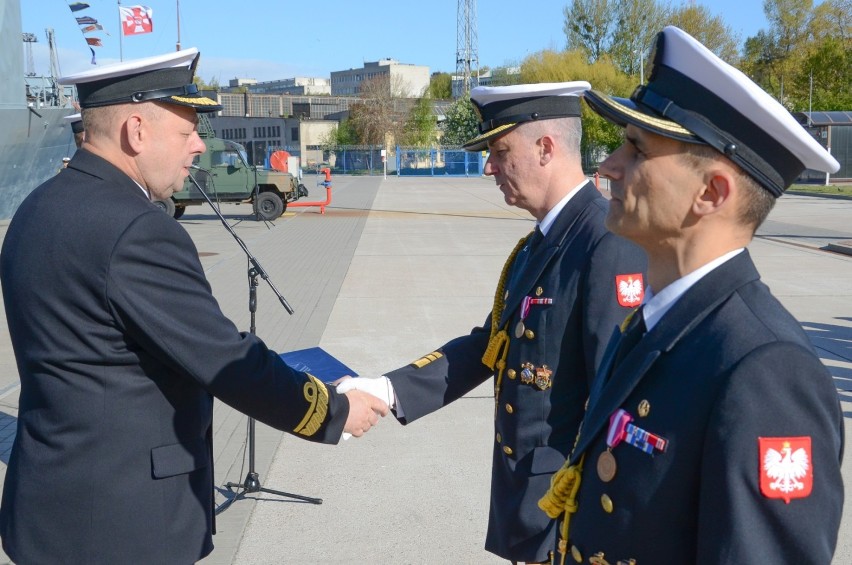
column 525, row 310
column 621, row 429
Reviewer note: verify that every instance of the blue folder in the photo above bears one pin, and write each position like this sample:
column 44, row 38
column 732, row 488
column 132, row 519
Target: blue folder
column 318, row 362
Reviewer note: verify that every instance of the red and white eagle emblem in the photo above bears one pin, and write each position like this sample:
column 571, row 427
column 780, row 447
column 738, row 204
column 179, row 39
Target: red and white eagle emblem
column 630, row 289
column 785, row 467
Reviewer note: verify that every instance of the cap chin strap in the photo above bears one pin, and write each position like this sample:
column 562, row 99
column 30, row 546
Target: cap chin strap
column 146, row 95
column 487, row 125
column 719, row 140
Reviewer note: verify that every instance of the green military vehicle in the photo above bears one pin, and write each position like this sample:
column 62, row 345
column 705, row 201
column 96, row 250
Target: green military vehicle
column 226, row 176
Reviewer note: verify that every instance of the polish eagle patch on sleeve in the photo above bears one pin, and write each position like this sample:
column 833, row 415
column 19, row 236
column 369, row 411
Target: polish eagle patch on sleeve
column 786, row 468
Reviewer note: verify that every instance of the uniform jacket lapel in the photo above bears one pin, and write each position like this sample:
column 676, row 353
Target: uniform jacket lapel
column 687, row 313
column 560, row 234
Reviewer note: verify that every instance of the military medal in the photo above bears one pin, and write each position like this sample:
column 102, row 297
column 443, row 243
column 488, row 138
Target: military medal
column 542, row 377
column 525, row 310
column 606, row 466
column 520, row 328
column 527, row 375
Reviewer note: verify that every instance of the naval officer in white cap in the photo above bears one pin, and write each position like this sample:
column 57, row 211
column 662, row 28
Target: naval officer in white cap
column 76, row 121
column 121, row 346
column 713, row 432
column 561, row 293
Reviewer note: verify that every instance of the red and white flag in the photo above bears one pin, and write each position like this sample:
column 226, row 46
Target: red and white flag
column 136, row 19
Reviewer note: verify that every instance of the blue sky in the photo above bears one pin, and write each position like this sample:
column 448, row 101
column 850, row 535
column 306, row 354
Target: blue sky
column 272, row 39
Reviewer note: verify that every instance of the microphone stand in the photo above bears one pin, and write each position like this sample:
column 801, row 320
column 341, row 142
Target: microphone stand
column 251, row 484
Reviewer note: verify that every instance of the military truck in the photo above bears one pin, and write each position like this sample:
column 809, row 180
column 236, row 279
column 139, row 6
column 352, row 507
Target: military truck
column 226, row 176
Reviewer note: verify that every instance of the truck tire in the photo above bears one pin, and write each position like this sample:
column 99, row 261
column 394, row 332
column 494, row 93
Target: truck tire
column 167, row 206
column 179, row 210
column 302, row 191
column 268, row 206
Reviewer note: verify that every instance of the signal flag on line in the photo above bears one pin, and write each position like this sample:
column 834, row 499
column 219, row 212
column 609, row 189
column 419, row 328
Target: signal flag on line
column 136, row 20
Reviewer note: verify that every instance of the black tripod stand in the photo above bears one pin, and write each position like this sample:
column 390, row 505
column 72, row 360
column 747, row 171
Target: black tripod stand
column 251, row 484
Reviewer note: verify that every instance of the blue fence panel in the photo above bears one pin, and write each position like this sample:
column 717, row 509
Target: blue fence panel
column 441, row 161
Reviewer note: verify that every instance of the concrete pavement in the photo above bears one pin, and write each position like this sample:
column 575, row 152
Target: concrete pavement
column 392, row 270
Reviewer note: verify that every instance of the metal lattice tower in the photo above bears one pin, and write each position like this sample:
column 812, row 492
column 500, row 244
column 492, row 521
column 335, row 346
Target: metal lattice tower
column 467, row 49
column 29, row 39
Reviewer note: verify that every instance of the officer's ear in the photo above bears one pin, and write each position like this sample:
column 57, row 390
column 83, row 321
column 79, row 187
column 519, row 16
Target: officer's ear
column 133, row 126
column 716, row 193
column 546, row 146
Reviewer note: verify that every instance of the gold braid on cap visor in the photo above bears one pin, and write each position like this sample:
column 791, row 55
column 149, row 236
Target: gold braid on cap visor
column 489, row 134
column 660, row 123
column 200, row 101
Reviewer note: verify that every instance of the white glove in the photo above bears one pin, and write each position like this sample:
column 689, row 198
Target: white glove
column 379, row 387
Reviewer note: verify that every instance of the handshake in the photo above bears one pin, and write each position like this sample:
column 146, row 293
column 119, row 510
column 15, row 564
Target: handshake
column 368, row 399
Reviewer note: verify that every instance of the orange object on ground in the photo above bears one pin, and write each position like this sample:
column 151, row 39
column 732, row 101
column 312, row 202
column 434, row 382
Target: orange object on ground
column 327, row 183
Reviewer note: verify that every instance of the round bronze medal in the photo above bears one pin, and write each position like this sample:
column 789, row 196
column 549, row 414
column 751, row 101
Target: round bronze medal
column 519, row 329
column 606, row 466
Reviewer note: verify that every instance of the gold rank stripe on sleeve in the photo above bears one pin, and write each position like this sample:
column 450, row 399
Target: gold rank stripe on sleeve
column 426, row 359
column 317, row 396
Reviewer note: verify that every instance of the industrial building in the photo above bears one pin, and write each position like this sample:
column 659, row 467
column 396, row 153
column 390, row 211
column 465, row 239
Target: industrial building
column 406, row 81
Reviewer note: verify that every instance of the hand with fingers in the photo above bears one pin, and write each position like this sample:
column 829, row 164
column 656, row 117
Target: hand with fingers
column 364, row 412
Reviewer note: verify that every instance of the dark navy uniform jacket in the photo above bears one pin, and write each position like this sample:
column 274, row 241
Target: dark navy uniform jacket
column 576, row 266
column 121, row 348
column 725, row 366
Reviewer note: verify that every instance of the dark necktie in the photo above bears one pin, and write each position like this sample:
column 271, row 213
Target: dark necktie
column 532, row 244
column 630, row 337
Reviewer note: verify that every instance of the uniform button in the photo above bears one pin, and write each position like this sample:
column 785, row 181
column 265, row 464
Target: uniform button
column 509, row 408
column 644, row 408
column 606, row 502
column 507, row 450
column 529, row 334
column 511, row 373
column 539, row 291
column 499, row 437
column 575, row 553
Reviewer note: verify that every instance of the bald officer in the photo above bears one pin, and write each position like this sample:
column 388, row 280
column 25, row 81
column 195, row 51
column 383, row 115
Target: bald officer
column 121, row 346
column 713, row 433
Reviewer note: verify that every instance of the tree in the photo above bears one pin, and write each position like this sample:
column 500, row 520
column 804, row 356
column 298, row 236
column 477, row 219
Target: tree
column 637, row 24
column 506, row 75
column 823, row 83
column 378, row 115
column 461, row 124
column 441, row 86
column 803, row 58
column 421, row 127
column 199, row 82
column 587, row 27
column 708, row 29
column 341, row 134
column 599, row 135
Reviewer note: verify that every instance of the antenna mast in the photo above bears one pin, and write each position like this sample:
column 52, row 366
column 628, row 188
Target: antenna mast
column 177, row 5
column 467, row 55
column 29, row 39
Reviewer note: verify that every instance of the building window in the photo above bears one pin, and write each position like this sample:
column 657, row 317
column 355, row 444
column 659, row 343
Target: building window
column 294, row 134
